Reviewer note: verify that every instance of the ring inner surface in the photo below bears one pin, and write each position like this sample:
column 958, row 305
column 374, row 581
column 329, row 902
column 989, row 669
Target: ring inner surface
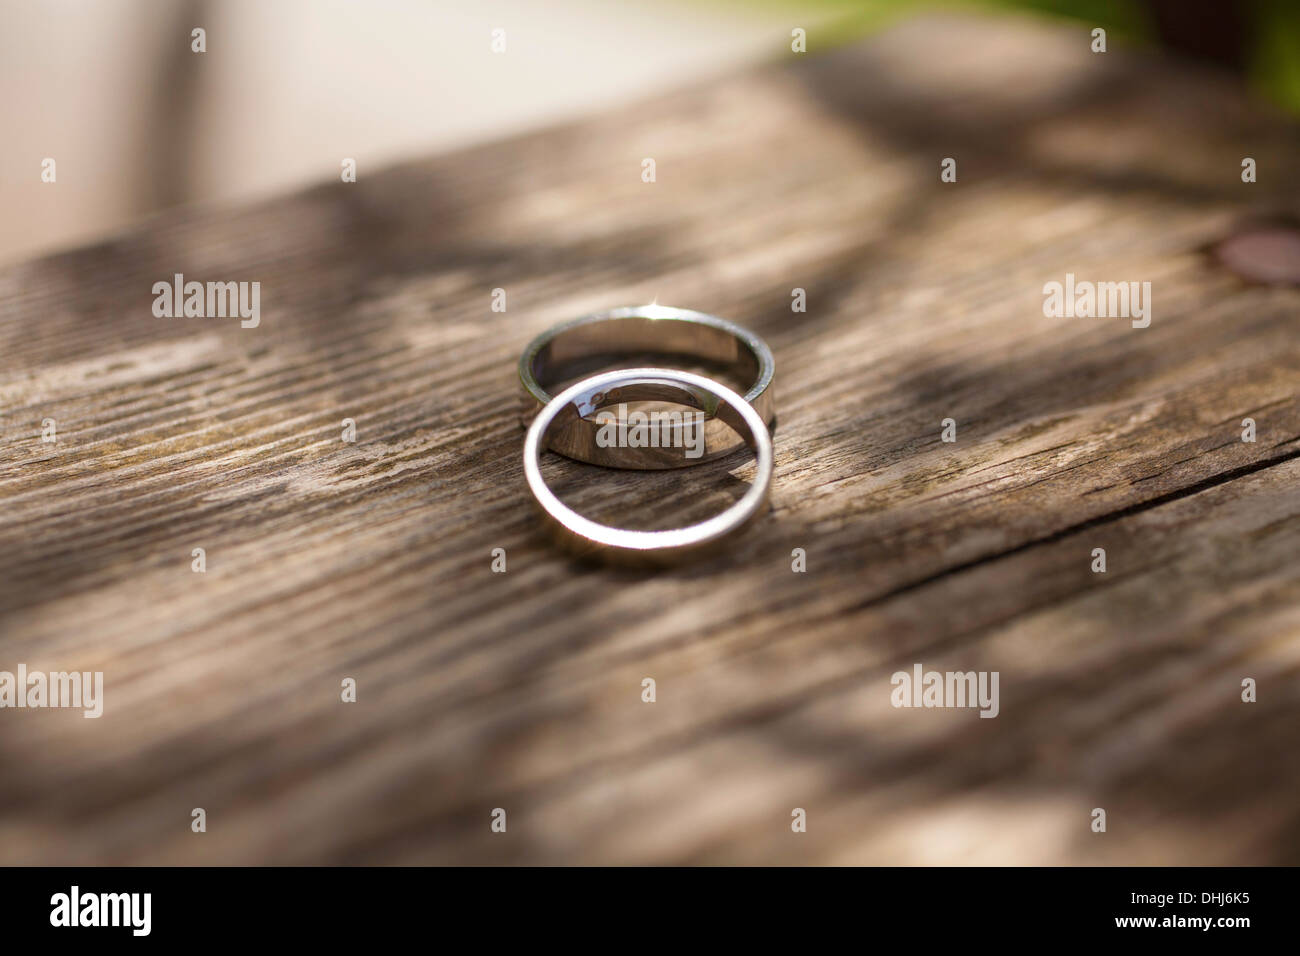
column 665, row 391
column 634, row 342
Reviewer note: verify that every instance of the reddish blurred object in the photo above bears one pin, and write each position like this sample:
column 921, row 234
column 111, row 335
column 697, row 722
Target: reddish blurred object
column 1268, row 253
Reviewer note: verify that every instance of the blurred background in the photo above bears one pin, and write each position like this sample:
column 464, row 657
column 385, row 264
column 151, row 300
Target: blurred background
column 287, row 89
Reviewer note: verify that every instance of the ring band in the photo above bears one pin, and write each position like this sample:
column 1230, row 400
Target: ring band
column 647, row 384
column 632, row 331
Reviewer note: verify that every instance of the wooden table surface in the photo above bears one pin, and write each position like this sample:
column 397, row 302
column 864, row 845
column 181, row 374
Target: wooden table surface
column 522, row 690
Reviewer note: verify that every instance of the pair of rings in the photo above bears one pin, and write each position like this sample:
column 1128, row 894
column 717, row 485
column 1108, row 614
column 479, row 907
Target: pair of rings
column 569, row 423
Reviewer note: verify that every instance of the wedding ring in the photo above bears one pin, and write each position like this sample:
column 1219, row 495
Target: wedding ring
column 647, row 384
column 584, row 344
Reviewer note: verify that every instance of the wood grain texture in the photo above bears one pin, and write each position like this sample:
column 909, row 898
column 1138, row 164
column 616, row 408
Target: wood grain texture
column 522, row 690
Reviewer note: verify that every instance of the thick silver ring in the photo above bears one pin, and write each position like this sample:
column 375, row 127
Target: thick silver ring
column 647, row 384
column 637, row 330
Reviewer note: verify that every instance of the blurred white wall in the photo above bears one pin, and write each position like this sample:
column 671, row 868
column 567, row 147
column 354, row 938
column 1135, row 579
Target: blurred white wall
column 135, row 121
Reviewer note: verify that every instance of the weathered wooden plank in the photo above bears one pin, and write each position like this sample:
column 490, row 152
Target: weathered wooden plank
column 522, row 690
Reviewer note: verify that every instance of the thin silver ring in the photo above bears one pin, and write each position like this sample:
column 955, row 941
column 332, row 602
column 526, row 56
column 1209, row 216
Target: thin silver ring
column 584, row 398
column 658, row 329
